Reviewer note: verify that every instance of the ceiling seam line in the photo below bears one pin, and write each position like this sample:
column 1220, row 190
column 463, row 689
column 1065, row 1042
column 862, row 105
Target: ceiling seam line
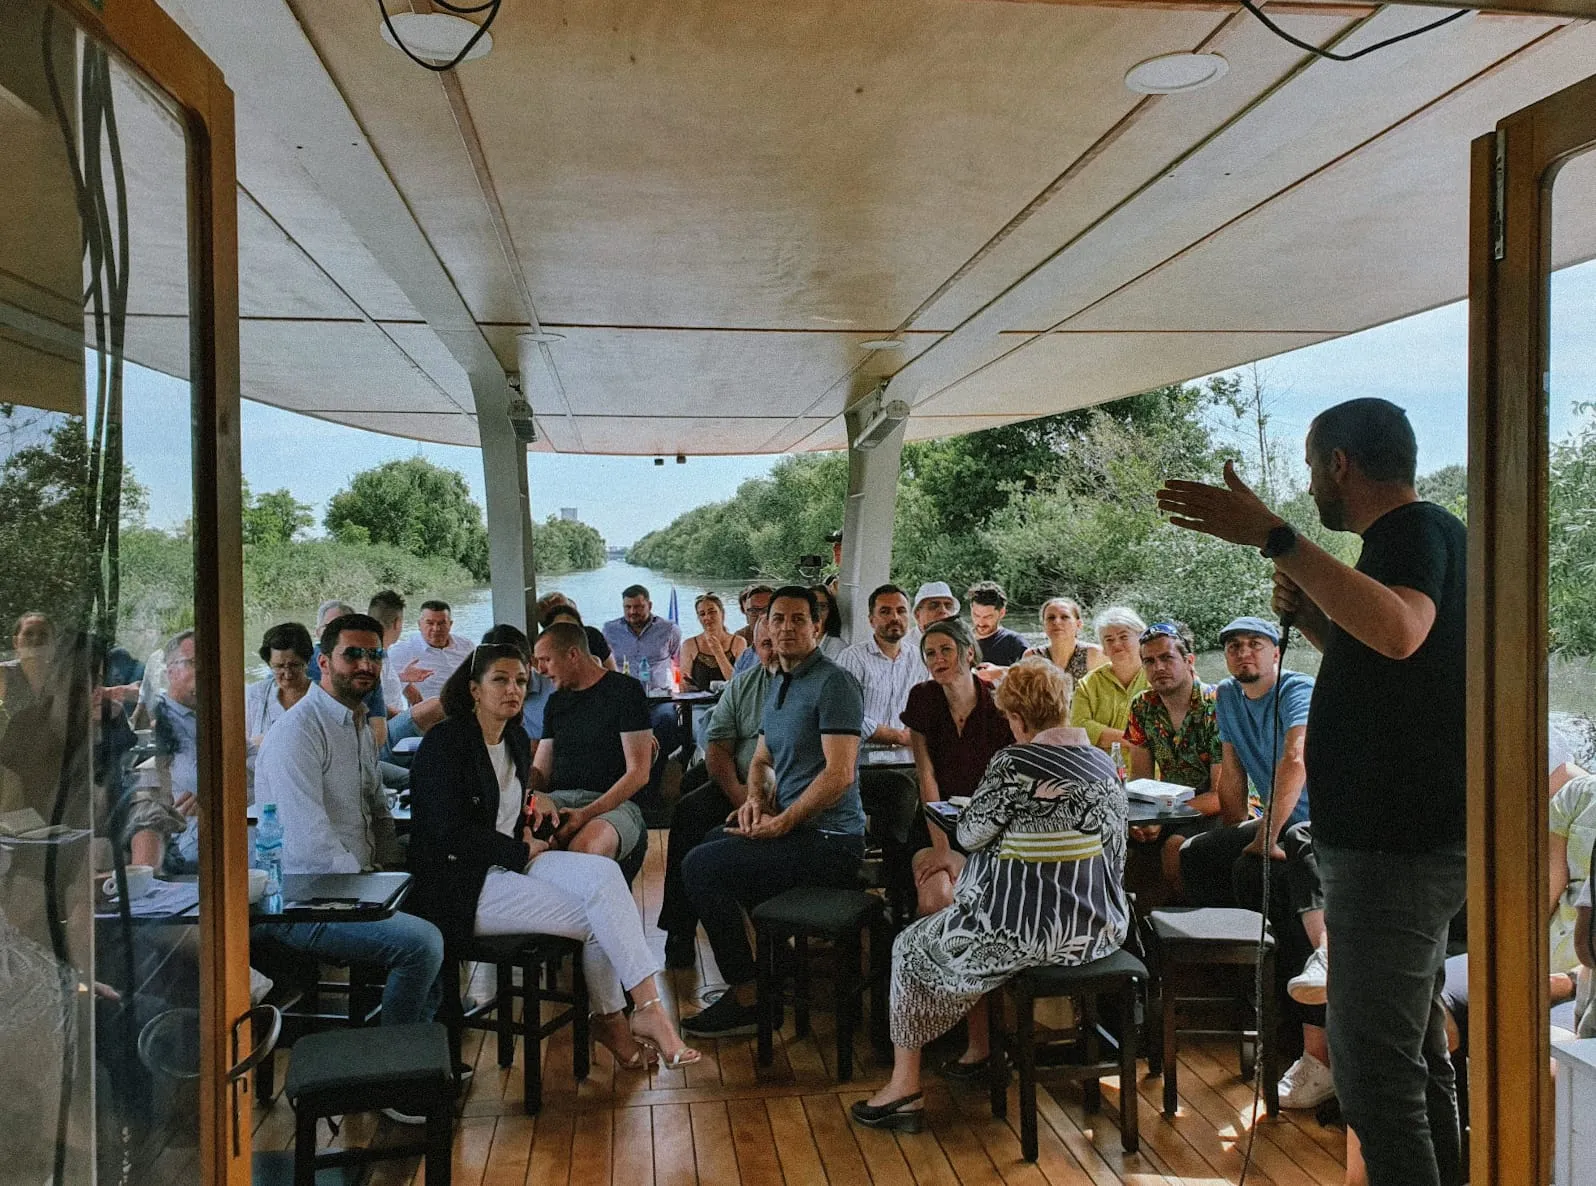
column 1303, row 64
column 365, row 317
column 1090, row 154
column 1340, row 159
column 471, row 141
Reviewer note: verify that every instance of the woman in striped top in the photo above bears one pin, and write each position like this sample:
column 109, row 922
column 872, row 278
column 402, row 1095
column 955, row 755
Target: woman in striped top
column 1045, row 833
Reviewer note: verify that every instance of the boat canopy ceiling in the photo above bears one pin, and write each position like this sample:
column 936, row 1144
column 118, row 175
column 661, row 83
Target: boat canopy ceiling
column 709, row 207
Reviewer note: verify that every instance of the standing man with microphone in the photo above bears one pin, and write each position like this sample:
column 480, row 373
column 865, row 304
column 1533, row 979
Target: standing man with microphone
column 1386, row 758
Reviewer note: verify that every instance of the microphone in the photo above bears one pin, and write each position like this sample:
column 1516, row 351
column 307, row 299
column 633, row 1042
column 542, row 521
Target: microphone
column 1287, row 621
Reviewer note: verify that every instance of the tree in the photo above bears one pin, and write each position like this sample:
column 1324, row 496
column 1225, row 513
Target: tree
column 414, row 505
column 274, row 518
column 567, row 545
column 48, row 559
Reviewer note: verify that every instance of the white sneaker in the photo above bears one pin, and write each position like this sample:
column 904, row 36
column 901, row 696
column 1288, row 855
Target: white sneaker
column 1306, row 1084
column 1307, row 987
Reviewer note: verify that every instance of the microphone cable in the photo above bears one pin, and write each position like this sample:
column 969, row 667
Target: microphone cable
column 1267, row 824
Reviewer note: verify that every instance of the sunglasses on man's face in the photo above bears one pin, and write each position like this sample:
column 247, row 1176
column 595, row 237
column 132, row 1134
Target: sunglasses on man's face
column 356, row 654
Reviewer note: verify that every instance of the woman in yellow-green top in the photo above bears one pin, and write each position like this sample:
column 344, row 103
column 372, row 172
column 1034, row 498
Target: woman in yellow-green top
column 1103, row 696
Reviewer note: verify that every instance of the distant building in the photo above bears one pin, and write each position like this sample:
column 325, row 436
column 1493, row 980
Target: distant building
column 568, row 514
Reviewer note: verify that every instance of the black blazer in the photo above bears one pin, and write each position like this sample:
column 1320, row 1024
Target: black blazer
column 454, row 804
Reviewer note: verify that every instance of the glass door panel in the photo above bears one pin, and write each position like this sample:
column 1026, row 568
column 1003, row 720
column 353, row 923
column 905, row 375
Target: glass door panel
column 100, row 997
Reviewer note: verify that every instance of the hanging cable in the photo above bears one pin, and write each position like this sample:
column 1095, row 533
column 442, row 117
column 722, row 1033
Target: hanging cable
column 1258, row 986
column 491, row 7
column 1330, row 54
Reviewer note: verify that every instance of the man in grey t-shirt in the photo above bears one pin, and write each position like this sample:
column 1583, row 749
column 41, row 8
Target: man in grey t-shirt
column 802, row 822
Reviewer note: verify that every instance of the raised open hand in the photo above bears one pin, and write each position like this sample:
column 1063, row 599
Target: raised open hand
column 1230, row 512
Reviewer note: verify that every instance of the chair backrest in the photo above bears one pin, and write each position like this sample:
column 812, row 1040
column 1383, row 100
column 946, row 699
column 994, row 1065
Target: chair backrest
column 891, row 800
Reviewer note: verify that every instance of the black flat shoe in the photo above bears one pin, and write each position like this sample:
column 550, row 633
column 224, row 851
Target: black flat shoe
column 896, row 1115
column 966, row 1072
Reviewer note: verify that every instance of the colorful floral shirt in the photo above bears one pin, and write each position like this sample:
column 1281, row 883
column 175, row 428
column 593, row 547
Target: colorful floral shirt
column 1185, row 755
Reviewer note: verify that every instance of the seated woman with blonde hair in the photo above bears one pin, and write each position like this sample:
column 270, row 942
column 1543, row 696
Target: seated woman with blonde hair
column 709, row 657
column 1061, row 621
column 1043, row 883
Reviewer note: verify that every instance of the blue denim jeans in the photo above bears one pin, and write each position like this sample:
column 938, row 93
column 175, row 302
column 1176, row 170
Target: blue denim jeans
column 1387, row 916
column 410, row 948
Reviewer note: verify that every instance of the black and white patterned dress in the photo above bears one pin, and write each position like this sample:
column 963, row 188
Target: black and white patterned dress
column 1044, row 884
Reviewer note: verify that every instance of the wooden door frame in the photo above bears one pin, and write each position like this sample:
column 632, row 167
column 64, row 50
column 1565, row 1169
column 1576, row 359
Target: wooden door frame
column 152, row 45
column 1510, row 237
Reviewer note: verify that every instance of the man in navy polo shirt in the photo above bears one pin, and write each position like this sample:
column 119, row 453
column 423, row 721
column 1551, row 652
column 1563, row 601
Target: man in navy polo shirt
column 802, row 823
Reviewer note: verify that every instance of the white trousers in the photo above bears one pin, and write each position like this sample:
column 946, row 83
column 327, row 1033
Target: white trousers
column 574, row 895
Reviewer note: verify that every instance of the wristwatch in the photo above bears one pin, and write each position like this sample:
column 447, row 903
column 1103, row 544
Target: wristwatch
column 1281, row 541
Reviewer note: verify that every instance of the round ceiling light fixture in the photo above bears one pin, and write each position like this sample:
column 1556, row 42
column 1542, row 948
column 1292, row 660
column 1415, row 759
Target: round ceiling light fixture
column 543, row 337
column 882, row 344
column 435, row 36
column 1175, row 74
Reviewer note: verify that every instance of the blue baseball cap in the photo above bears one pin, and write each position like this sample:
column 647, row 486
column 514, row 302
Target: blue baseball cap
column 1251, row 626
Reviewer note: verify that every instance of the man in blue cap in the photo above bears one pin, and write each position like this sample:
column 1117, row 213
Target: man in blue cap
column 1263, row 726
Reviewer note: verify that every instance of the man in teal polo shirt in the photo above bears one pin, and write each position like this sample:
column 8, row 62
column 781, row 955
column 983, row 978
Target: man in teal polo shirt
column 802, row 822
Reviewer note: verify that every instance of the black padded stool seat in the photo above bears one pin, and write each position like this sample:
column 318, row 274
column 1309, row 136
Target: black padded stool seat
column 538, row 958
column 404, row 1067
column 842, row 916
column 1184, row 940
column 1115, row 975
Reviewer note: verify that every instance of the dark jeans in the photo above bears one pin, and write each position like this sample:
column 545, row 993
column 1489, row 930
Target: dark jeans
column 697, row 815
column 726, row 875
column 1387, row 916
column 1214, row 871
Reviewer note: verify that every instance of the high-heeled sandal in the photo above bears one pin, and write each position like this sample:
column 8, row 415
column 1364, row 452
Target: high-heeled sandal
column 640, row 1059
column 686, row 1056
column 895, row 1114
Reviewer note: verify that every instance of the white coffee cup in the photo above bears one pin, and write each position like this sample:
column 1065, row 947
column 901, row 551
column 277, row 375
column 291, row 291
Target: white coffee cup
column 257, row 885
column 140, row 880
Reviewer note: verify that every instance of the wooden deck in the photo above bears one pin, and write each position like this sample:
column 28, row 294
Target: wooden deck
column 726, row 1120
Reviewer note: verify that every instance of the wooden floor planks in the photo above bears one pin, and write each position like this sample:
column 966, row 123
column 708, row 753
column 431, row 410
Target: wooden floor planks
column 729, row 1120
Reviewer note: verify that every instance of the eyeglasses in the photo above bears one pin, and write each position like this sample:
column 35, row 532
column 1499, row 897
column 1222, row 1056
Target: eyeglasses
column 356, row 654
column 286, row 668
column 1161, row 630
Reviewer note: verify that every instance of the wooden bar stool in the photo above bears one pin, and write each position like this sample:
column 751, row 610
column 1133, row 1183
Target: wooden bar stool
column 1185, row 941
column 842, row 916
column 1115, row 975
column 403, row 1067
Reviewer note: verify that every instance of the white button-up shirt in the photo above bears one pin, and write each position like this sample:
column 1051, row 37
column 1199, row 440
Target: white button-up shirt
column 441, row 661
column 319, row 765
column 886, row 682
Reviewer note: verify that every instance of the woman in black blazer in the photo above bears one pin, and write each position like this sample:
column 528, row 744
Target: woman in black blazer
column 479, row 868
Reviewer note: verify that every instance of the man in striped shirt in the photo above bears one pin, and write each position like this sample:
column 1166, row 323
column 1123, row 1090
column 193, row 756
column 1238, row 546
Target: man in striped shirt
column 885, row 668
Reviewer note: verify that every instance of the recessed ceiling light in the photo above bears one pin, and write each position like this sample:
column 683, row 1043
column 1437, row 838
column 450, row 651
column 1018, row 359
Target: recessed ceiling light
column 882, row 344
column 435, row 36
column 543, row 337
column 1174, row 74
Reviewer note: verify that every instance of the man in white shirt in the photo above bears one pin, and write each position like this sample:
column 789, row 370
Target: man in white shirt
column 319, row 766
column 885, row 668
column 425, row 662
column 171, row 778
column 388, row 607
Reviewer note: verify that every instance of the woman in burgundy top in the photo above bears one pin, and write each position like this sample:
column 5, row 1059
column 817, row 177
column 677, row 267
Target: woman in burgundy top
column 954, row 729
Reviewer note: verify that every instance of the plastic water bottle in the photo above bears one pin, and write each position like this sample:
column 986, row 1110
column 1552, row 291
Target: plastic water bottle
column 642, row 670
column 269, row 849
column 1119, row 761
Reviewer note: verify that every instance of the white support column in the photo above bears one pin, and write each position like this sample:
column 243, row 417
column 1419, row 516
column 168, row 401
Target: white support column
column 872, row 499
column 504, row 478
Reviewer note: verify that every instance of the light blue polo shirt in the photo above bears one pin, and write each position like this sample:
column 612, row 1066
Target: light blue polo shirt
column 1249, row 725
column 815, row 698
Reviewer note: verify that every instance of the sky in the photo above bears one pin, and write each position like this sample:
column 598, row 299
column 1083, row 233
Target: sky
column 1420, row 362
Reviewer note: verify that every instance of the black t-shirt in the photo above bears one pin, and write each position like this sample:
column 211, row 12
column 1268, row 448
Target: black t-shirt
column 586, row 729
column 1386, row 737
column 598, row 646
column 1004, row 648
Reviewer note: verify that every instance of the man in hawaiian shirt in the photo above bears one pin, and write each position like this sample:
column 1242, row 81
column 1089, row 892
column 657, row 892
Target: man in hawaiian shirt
column 1173, row 732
